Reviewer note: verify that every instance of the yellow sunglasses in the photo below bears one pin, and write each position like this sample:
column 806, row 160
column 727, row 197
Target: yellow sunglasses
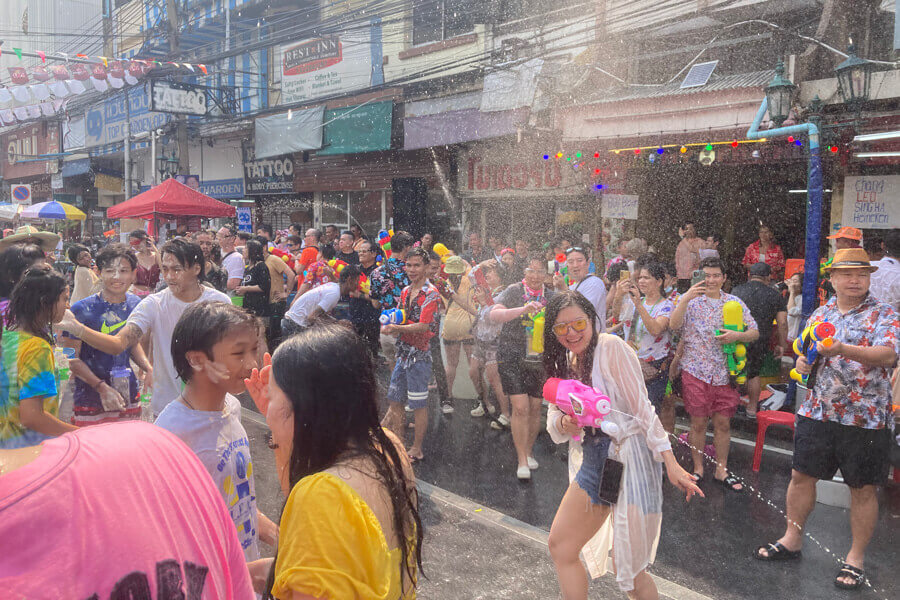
column 577, row 325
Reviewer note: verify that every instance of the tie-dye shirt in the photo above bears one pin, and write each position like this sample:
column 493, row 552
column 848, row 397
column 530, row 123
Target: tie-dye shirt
column 29, row 371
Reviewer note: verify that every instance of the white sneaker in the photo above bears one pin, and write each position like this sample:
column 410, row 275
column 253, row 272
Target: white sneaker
column 492, row 409
column 523, row 473
column 503, row 420
column 496, row 425
column 478, row 411
column 446, row 408
column 408, row 409
column 532, row 464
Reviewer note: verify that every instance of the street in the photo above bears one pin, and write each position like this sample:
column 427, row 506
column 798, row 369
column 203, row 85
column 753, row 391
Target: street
column 486, row 533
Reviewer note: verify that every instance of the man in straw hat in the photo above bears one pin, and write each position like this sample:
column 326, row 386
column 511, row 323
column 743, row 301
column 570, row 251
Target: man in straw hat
column 843, row 422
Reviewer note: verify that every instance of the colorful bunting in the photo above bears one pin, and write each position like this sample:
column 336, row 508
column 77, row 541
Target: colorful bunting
column 18, row 52
column 42, row 56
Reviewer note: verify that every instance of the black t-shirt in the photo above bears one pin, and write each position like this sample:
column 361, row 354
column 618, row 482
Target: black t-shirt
column 258, row 302
column 361, row 309
column 350, row 259
column 764, row 302
column 512, row 337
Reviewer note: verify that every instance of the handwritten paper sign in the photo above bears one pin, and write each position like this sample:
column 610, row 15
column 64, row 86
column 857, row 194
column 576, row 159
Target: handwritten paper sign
column 619, row 206
column 871, row 201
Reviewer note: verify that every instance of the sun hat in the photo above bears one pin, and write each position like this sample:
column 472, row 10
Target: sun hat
column 455, row 265
column 26, row 233
column 851, row 258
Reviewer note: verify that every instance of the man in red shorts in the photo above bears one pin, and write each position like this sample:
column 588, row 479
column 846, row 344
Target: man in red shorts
column 707, row 389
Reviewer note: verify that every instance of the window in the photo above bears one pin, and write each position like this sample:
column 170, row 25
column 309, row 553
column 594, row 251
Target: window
column 441, row 20
column 364, row 208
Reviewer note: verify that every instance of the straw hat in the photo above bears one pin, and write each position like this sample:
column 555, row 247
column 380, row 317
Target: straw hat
column 455, row 266
column 851, row 258
column 26, row 233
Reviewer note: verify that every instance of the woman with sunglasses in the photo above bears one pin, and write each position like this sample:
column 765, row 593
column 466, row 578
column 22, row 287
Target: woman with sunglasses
column 573, row 349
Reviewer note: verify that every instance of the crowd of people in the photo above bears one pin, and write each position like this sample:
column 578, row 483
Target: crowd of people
column 303, row 320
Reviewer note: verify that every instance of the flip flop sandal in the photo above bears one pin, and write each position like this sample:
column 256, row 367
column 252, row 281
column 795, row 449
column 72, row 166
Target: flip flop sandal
column 855, row 574
column 777, row 551
column 729, row 482
column 697, row 477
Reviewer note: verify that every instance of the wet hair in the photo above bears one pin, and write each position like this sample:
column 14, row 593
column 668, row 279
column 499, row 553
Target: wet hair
column 535, row 257
column 328, row 252
column 615, row 271
column 328, row 376
column 255, row 252
column 13, row 262
column 138, row 234
column 243, row 236
column 74, row 250
column 265, row 227
column 556, row 362
column 348, row 232
column 417, row 251
column 348, row 272
column 400, row 241
column 33, row 298
column 711, row 262
column 657, row 271
column 110, row 254
column 186, row 253
column 202, row 326
column 643, row 260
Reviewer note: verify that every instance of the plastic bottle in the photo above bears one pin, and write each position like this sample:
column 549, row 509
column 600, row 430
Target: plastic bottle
column 61, row 356
column 146, row 410
column 120, row 380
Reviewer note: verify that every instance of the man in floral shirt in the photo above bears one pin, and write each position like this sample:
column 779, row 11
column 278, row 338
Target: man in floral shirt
column 412, row 372
column 388, row 281
column 706, row 386
column 844, row 421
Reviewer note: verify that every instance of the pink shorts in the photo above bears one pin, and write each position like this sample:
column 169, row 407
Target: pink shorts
column 702, row 399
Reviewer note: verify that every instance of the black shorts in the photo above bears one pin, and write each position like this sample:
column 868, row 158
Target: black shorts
column 756, row 354
column 519, row 376
column 823, row 447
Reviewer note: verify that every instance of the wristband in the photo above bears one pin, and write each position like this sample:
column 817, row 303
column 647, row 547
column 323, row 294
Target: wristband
column 98, row 384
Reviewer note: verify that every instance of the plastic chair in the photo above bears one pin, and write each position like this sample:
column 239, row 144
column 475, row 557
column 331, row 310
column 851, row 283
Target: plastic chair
column 764, row 418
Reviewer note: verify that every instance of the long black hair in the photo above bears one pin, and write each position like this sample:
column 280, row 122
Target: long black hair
column 326, row 372
column 13, row 262
column 33, row 299
column 556, row 363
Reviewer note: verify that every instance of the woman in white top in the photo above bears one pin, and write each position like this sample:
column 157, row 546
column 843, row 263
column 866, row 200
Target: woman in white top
column 86, row 281
column 648, row 332
column 574, row 349
column 794, row 304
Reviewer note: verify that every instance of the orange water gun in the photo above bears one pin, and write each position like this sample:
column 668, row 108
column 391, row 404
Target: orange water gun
column 287, row 257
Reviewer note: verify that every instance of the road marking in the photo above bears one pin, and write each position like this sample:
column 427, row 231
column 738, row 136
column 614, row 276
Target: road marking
column 744, row 442
column 666, row 588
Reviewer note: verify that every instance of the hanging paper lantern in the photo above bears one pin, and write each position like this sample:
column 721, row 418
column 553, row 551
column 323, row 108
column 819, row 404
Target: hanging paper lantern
column 18, row 75
column 5, row 96
column 40, row 73
column 60, row 72
column 7, row 116
column 58, row 88
column 116, row 74
column 134, row 71
column 40, row 91
column 21, row 93
column 47, row 109
column 34, row 111
column 80, row 72
column 75, row 86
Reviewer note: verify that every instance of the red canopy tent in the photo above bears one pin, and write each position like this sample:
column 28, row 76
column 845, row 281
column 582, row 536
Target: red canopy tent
column 170, row 198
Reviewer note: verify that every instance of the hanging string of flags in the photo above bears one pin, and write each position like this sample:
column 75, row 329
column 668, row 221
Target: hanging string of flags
column 44, row 90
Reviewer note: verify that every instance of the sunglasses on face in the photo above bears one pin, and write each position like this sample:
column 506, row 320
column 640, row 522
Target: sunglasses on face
column 577, row 325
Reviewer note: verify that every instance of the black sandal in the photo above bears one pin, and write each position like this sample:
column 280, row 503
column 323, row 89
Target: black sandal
column 851, row 572
column 697, row 477
column 776, row 551
column 729, row 482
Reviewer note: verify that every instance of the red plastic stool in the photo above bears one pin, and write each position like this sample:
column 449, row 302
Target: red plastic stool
column 764, row 418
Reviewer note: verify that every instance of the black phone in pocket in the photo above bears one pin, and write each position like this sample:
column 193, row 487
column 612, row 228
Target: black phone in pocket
column 611, row 481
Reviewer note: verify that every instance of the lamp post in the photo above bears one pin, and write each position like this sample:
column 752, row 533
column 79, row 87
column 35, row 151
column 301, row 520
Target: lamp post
column 780, row 94
column 854, row 77
column 167, row 166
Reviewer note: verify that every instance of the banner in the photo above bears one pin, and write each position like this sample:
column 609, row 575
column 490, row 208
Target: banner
column 105, row 124
column 328, row 65
column 294, row 131
column 244, row 219
column 267, row 175
column 619, row 206
column 871, row 201
column 23, row 145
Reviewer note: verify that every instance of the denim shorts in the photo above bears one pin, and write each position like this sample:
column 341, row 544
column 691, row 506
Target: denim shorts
column 595, row 447
column 409, row 384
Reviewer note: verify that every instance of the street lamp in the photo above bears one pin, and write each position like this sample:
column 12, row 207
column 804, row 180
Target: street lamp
column 779, row 94
column 167, row 166
column 854, row 76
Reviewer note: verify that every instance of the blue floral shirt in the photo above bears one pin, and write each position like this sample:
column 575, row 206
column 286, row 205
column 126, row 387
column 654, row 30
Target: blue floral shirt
column 847, row 391
column 387, row 283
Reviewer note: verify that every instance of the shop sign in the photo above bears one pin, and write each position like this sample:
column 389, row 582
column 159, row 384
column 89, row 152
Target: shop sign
column 871, row 202
column 56, row 181
column 496, row 174
column 244, row 218
column 267, row 175
column 110, row 183
column 328, row 65
column 178, row 98
column 105, row 124
column 23, row 144
column 223, row 188
column 619, row 206
column 361, row 128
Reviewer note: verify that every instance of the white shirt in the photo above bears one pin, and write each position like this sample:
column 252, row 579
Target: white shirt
column 325, row 296
column 158, row 313
column 885, row 283
column 593, row 288
column 234, row 265
column 221, row 443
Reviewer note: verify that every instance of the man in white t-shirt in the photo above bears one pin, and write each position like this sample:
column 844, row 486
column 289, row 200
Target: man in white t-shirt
column 157, row 314
column 232, row 259
column 320, row 299
column 578, row 262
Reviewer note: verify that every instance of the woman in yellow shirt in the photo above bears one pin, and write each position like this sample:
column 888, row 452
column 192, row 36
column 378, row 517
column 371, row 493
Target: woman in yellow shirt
column 350, row 526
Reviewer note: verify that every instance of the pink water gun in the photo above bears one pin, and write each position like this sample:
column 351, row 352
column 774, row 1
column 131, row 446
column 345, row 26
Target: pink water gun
column 581, row 402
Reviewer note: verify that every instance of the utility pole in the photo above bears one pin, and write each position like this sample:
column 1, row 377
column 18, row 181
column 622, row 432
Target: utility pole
column 181, row 134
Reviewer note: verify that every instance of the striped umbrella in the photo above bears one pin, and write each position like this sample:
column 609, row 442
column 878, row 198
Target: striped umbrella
column 9, row 211
column 53, row 210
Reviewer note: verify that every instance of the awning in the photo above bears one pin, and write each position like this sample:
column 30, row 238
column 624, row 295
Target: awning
column 460, row 126
column 170, row 198
column 79, row 166
column 293, row 131
column 360, row 128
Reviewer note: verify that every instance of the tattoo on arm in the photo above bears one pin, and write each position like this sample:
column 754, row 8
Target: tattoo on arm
column 131, row 333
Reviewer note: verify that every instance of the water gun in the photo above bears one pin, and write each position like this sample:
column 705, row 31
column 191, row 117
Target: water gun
column 476, row 275
column 805, row 345
column 442, row 251
column 563, row 267
column 392, row 316
column 586, row 405
column 735, row 352
column 384, row 240
column 365, row 286
column 284, row 255
column 337, row 265
column 534, row 327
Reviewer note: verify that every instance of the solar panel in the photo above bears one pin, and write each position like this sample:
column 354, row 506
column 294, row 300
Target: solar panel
column 699, row 74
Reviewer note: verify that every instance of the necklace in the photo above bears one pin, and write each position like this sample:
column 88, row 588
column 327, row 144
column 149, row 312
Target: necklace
column 186, row 401
column 530, row 294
